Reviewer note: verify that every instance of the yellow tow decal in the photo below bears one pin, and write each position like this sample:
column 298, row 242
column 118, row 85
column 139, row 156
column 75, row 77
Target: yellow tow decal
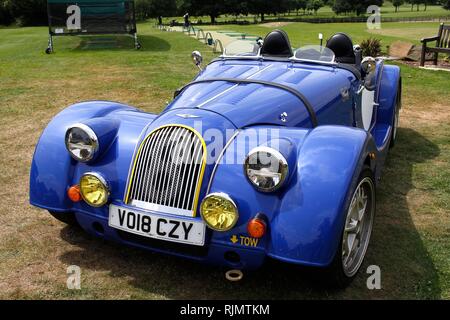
column 244, row 241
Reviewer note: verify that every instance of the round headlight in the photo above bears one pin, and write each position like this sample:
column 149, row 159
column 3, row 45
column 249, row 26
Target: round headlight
column 266, row 168
column 219, row 212
column 81, row 142
column 94, row 189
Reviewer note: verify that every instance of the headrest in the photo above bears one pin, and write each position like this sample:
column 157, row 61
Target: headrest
column 277, row 44
column 342, row 46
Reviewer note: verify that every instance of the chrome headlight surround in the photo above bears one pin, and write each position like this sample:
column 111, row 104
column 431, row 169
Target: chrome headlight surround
column 225, row 199
column 267, row 176
column 102, row 183
column 83, row 148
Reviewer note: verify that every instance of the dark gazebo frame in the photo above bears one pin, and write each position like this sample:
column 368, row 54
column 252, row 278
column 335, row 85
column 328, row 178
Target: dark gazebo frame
column 127, row 20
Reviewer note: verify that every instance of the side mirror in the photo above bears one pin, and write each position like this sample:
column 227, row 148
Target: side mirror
column 368, row 68
column 260, row 42
column 358, row 55
column 197, row 58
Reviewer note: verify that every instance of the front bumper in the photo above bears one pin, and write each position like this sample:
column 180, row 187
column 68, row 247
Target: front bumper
column 218, row 254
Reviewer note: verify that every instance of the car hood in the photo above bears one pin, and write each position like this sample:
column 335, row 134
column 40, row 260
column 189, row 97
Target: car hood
column 215, row 129
column 251, row 104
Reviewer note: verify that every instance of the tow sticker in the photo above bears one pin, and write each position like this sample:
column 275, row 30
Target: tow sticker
column 245, row 241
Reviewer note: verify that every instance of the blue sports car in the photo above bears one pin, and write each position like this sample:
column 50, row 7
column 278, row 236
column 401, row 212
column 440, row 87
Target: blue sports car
column 270, row 152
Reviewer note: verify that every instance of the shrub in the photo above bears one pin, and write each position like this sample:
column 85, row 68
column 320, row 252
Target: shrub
column 446, row 4
column 371, row 47
column 5, row 13
column 29, row 12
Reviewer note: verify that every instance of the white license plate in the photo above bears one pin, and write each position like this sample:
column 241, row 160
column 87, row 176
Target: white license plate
column 157, row 227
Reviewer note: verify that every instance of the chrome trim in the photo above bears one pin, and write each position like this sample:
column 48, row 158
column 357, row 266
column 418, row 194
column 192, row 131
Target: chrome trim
column 280, row 158
column 91, row 135
column 222, row 153
column 323, row 63
column 102, row 181
column 167, row 172
column 291, row 60
column 136, row 148
column 187, row 116
column 159, row 208
column 227, row 198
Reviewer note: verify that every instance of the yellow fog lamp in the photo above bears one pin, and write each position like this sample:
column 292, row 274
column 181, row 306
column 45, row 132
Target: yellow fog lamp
column 219, row 212
column 94, row 189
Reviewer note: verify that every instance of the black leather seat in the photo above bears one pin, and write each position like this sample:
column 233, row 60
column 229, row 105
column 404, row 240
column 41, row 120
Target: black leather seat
column 342, row 46
column 277, row 45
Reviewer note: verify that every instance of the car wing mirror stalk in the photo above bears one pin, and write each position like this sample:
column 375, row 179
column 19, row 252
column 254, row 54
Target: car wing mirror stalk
column 368, row 68
column 358, row 56
column 198, row 59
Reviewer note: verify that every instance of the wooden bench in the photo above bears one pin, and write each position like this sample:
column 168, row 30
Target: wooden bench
column 442, row 44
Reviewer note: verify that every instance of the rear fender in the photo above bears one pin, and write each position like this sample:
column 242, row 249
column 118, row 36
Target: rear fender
column 390, row 86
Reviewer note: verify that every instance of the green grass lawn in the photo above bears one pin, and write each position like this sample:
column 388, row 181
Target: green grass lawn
column 411, row 241
column 307, row 33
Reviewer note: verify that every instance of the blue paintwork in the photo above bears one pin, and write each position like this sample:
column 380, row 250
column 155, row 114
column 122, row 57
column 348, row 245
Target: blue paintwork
column 304, row 225
column 251, row 104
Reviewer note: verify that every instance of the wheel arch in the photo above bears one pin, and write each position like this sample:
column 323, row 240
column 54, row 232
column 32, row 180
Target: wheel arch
column 310, row 233
column 53, row 169
column 390, row 89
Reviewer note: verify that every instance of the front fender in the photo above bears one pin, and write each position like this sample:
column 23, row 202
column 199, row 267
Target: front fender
column 306, row 216
column 53, row 170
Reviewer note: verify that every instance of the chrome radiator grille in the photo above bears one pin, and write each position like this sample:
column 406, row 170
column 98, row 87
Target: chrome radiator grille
column 168, row 171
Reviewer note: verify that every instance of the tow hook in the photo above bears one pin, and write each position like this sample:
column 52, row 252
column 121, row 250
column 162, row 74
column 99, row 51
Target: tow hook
column 234, row 275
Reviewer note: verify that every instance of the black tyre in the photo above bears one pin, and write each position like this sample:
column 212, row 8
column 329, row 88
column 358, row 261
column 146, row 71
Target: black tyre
column 48, row 51
column 67, row 218
column 356, row 233
column 138, row 46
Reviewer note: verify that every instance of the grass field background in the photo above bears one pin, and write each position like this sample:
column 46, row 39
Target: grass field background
column 411, row 240
column 307, row 33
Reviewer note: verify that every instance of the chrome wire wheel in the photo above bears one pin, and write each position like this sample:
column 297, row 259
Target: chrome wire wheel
column 358, row 227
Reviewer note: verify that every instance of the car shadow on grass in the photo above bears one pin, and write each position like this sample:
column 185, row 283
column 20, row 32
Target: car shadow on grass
column 122, row 43
column 407, row 270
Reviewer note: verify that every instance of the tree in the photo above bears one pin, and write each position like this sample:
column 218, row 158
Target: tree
column 428, row 2
column 397, row 4
column 236, row 7
column 314, row 5
column 5, row 14
column 360, row 6
column 29, row 12
column 142, row 8
column 357, row 6
column 154, row 8
column 415, row 3
column 446, row 4
column 263, row 7
column 342, row 6
column 211, row 8
column 166, row 8
column 300, row 5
